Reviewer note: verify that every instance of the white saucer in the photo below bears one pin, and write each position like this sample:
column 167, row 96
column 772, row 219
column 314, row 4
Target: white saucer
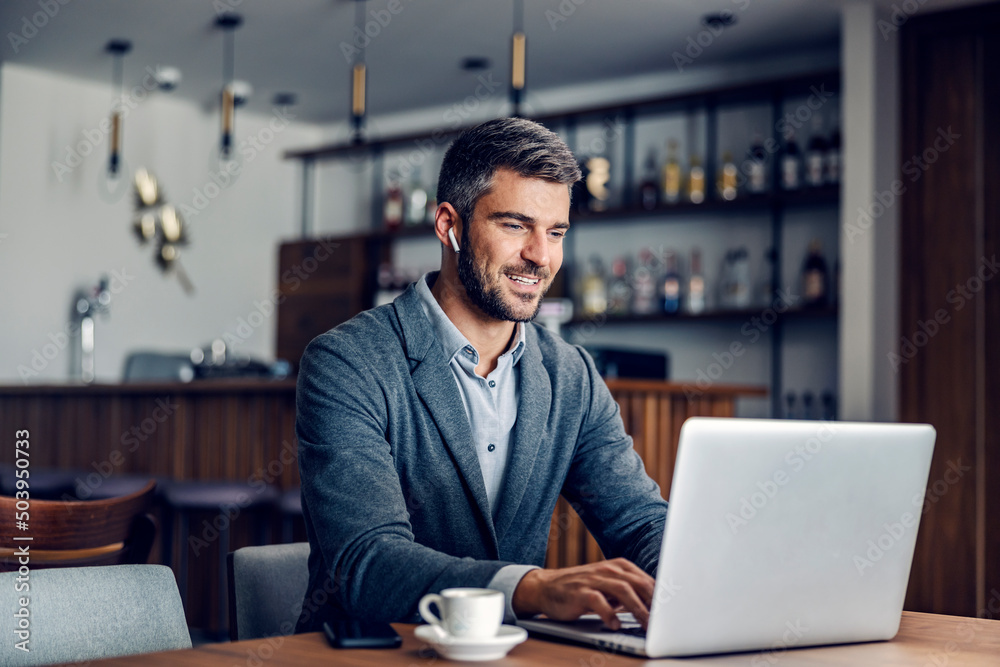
column 456, row 648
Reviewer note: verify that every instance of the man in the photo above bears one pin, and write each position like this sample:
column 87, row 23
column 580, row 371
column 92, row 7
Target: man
column 437, row 432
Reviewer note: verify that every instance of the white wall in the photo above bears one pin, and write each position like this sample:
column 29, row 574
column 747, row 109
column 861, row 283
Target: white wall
column 869, row 246
column 63, row 234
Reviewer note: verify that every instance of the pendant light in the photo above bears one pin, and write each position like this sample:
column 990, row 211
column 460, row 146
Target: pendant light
column 117, row 48
column 517, row 59
column 228, row 23
column 359, row 74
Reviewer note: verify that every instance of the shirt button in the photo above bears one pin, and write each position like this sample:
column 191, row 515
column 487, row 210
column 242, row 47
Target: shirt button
column 492, row 383
column 491, row 447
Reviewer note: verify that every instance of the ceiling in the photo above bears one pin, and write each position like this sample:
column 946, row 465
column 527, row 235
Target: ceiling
column 414, row 57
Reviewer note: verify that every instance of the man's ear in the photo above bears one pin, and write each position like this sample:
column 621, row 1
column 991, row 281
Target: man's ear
column 448, row 225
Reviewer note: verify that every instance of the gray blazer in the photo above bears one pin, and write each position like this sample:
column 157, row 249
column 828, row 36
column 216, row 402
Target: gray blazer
column 394, row 501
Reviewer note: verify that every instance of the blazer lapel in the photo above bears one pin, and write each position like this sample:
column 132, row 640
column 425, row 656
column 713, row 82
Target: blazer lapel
column 433, row 380
column 532, row 417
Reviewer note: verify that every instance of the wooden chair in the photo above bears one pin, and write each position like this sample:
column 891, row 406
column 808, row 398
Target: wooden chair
column 113, row 531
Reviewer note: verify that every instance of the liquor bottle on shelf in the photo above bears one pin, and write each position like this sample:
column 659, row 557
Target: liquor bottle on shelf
column 619, row 291
column 816, row 154
column 829, row 406
column 727, row 177
column 815, row 278
column 757, row 166
column 734, row 283
column 597, row 180
column 671, row 174
column 696, row 285
column 833, row 161
column 791, row 164
column 593, row 290
column 696, row 181
column 644, row 284
column 790, row 406
column 807, row 405
column 742, row 290
column 416, row 209
column 649, row 190
column 671, row 283
column 392, row 212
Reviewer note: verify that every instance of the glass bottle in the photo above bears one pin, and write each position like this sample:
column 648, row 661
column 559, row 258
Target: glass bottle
column 757, row 176
column 742, row 290
column 696, row 181
column 833, row 161
column 649, row 191
column 791, row 164
column 727, row 178
column 696, row 285
column 816, row 154
column 416, row 209
column 671, row 284
column 393, row 208
column 593, row 291
column 671, row 174
column 815, row 278
column 597, row 180
column 644, row 281
column 619, row 291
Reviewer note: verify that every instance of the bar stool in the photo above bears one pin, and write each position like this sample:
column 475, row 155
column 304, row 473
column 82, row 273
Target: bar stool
column 182, row 499
column 115, row 486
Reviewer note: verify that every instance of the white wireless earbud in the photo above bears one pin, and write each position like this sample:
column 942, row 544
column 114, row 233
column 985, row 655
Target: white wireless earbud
column 454, row 241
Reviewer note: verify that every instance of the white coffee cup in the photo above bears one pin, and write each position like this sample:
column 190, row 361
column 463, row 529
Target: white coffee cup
column 469, row 613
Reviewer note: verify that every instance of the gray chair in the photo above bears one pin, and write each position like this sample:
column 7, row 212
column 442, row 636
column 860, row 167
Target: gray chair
column 266, row 588
column 89, row 613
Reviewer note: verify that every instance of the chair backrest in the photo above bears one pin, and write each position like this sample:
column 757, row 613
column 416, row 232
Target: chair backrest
column 266, row 588
column 89, row 613
column 74, row 533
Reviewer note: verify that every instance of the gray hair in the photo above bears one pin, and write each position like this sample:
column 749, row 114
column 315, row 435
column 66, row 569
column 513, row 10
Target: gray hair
column 523, row 146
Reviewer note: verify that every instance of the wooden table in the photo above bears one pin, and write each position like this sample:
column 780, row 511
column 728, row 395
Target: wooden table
column 923, row 639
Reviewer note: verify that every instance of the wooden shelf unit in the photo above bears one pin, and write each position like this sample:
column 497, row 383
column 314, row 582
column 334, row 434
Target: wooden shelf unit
column 373, row 247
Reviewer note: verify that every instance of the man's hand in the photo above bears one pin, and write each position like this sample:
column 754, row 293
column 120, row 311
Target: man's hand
column 601, row 588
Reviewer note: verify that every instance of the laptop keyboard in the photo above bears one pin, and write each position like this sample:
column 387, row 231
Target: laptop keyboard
column 629, row 626
column 637, row 631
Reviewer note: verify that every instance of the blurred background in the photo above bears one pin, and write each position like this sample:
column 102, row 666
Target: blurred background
column 787, row 212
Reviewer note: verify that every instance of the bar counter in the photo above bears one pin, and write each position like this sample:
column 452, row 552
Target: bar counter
column 238, row 429
column 244, row 430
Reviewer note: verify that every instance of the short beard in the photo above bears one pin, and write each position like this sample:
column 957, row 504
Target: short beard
column 489, row 299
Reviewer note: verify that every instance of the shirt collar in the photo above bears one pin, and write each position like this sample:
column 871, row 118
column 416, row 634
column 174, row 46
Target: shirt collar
column 452, row 340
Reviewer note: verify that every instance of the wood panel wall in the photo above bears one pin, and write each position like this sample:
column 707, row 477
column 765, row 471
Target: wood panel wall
column 653, row 416
column 950, row 377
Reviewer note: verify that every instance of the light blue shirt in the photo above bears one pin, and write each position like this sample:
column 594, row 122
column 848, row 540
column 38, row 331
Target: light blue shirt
column 491, row 407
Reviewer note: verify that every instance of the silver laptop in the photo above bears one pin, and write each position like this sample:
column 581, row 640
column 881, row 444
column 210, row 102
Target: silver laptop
column 780, row 534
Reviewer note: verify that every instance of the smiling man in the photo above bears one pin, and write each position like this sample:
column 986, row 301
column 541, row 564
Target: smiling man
column 437, row 432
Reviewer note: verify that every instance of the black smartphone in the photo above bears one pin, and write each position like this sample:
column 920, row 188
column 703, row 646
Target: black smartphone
column 361, row 634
